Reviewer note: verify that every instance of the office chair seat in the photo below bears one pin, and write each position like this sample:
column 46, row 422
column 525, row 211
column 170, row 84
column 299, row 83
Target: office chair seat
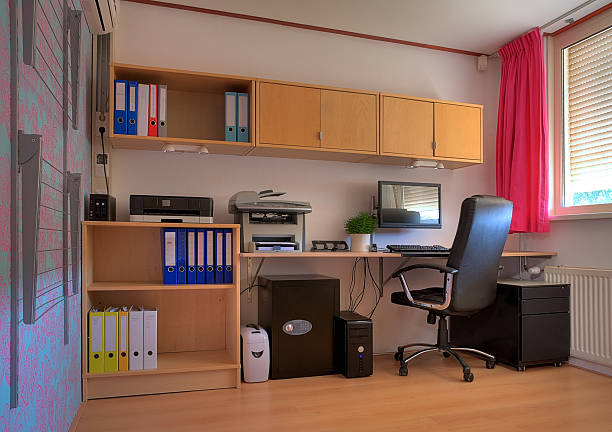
column 430, row 295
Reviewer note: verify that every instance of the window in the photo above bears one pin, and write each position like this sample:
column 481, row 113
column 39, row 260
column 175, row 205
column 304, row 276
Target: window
column 586, row 139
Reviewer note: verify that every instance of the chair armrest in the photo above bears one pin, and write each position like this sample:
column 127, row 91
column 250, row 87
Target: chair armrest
column 449, row 273
column 441, row 268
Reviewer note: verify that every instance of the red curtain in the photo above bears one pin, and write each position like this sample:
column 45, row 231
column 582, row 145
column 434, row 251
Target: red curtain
column 522, row 133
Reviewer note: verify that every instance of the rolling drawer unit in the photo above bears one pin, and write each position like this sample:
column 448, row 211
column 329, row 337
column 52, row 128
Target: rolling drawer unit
column 528, row 324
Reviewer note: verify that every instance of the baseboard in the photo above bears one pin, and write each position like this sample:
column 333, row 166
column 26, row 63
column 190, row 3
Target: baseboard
column 75, row 421
column 593, row 367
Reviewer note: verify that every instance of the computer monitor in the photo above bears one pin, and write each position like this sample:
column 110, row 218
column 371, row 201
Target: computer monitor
column 409, row 205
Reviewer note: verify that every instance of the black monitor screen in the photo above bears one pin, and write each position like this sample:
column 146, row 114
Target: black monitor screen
column 409, row 205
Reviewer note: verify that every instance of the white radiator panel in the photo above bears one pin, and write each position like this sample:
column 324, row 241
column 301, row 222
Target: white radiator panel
column 590, row 310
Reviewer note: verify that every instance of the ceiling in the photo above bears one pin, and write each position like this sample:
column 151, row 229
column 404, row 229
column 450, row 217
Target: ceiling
column 475, row 25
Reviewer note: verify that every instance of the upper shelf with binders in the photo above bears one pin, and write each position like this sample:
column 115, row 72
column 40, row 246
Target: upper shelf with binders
column 195, row 109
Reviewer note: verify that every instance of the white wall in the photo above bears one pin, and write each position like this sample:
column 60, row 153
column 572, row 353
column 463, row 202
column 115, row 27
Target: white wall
column 579, row 243
column 186, row 40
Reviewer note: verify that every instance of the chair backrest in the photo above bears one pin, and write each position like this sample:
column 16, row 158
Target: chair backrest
column 481, row 235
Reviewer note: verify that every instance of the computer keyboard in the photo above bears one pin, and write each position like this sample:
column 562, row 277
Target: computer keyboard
column 416, row 248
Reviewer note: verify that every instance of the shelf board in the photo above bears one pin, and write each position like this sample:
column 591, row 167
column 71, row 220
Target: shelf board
column 150, row 286
column 123, row 224
column 153, row 143
column 183, row 80
column 188, row 361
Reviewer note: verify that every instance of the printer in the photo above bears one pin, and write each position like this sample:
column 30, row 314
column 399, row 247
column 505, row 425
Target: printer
column 269, row 225
column 158, row 208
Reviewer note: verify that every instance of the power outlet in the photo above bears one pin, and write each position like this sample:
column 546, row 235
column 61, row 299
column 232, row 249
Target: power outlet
column 101, row 160
column 101, row 120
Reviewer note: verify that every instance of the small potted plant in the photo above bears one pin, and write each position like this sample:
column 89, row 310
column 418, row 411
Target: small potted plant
column 360, row 228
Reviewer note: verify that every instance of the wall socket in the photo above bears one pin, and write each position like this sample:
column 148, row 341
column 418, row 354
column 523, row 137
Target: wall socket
column 101, row 120
column 101, row 160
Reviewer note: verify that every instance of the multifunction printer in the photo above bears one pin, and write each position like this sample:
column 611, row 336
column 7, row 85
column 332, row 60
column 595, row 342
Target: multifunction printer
column 269, row 225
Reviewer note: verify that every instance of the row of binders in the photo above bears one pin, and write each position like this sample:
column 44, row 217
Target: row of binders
column 198, row 256
column 236, row 117
column 140, row 109
column 122, row 339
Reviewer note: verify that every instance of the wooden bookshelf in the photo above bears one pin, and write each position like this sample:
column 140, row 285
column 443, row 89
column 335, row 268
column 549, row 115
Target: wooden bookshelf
column 195, row 108
column 198, row 325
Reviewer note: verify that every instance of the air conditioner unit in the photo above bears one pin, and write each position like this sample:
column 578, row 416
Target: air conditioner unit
column 101, row 15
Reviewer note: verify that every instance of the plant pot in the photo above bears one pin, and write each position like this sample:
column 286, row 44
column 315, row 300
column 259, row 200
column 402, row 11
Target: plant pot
column 360, row 242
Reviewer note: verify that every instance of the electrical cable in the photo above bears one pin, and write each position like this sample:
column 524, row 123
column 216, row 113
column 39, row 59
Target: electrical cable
column 250, row 287
column 352, row 286
column 363, row 287
column 102, row 129
column 377, row 289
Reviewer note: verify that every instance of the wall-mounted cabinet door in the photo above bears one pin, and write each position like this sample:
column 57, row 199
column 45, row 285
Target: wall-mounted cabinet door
column 348, row 121
column 407, row 127
column 458, row 132
column 289, row 115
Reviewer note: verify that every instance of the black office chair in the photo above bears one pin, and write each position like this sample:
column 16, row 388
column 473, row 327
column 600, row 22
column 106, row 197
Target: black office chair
column 470, row 277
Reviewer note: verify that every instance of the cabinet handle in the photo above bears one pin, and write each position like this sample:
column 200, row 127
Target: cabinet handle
column 435, row 145
column 320, row 136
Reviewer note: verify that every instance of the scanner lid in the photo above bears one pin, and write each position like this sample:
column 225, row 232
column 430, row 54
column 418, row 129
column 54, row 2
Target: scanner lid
column 246, row 201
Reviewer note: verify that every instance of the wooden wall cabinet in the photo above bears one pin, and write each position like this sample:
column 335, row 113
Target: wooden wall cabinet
column 289, row 115
column 304, row 121
column 407, row 127
column 458, row 131
column 348, row 121
column 294, row 119
column 195, row 109
column 417, row 128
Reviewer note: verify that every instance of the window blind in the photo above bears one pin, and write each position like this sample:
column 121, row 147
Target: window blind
column 423, row 200
column 588, row 106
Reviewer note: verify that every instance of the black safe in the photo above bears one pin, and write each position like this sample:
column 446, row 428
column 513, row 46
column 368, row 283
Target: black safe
column 298, row 312
column 529, row 324
column 353, row 345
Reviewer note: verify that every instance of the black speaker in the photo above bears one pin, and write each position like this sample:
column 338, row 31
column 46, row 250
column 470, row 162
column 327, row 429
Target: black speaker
column 101, row 207
column 298, row 312
column 353, row 344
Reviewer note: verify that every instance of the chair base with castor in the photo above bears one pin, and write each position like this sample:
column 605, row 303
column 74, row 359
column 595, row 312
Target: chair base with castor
column 444, row 347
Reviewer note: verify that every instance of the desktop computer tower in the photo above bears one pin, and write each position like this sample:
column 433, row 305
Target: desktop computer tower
column 353, row 344
column 298, row 312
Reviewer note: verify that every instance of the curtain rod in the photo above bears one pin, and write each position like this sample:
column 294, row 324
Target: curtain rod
column 569, row 25
column 304, row 26
column 566, row 14
column 581, row 20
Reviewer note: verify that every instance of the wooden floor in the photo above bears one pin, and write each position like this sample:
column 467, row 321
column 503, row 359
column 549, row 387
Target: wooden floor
column 433, row 397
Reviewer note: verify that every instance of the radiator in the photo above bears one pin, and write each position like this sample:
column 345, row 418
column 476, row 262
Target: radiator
column 590, row 310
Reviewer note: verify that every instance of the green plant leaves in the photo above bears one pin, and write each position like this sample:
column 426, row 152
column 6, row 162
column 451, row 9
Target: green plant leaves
column 363, row 223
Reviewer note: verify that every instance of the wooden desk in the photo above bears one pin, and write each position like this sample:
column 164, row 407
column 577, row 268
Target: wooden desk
column 380, row 255
column 371, row 254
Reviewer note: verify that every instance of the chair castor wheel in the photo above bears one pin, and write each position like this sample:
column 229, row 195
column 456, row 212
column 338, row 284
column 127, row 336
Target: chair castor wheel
column 468, row 376
column 445, row 354
column 521, row 368
column 490, row 364
column 558, row 364
column 403, row 371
